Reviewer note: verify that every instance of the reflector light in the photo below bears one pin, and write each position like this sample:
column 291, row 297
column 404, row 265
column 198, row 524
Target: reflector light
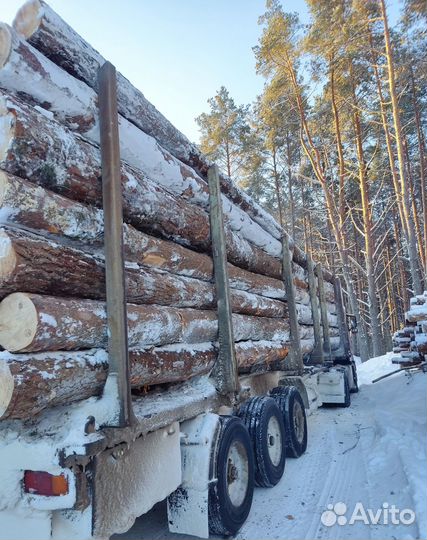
column 44, row 483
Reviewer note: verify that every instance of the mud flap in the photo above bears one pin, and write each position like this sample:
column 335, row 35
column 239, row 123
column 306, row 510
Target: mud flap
column 188, row 505
column 129, row 480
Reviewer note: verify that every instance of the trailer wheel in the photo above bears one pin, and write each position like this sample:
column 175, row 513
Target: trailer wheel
column 232, row 463
column 291, row 404
column 347, row 400
column 355, row 388
column 264, row 421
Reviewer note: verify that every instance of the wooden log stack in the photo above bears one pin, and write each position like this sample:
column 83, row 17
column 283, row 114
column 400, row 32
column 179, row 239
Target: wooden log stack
column 53, row 328
column 411, row 341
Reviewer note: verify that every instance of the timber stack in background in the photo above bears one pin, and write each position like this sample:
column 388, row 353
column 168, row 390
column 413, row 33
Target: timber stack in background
column 411, row 341
column 52, row 277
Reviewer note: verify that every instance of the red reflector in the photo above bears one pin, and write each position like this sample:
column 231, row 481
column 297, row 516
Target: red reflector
column 43, row 483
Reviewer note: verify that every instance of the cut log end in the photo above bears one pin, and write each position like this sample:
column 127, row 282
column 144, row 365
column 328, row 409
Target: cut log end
column 18, row 322
column 6, row 386
column 28, row 18
column 7, row 257
column 5, row 44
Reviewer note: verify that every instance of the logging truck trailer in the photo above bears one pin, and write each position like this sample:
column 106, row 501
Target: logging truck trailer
column 83, row 458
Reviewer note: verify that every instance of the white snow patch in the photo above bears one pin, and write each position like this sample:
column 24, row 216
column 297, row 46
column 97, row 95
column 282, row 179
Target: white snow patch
column 45, row 318
column 375, row 367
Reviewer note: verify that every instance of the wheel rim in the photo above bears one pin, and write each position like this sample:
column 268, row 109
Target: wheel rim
column 299, row 424
column 274, row 441
column 237, row 473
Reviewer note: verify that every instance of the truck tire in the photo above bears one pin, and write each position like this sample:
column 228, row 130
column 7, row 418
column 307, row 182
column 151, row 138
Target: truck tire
column 232, row 465
column 264, row 421
column 292, row 407
column 355, row 388
column 347, row 400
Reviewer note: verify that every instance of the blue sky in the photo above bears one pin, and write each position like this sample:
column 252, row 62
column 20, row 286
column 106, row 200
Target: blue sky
column 178, row 52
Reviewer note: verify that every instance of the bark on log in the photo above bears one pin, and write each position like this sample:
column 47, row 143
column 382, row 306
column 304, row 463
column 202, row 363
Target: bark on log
column 37, row 265
column 32, row 207
column 35, row 208
column 44, row 323
column 41, row 150
column 30, row 383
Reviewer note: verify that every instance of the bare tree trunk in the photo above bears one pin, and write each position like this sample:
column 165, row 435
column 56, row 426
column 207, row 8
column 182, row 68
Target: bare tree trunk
column 423, row 194
column 290, row 190
column 377, row 338
column 313, row 154
column 412, row 240
column 402, row 273
column 413, row 201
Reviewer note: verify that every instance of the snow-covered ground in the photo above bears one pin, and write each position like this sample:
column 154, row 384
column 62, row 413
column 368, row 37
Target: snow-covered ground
column 366, row 458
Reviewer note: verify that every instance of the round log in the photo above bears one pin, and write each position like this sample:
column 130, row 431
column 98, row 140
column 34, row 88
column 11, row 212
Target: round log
column 31, row 383
column 44, row 323
column 38, row 265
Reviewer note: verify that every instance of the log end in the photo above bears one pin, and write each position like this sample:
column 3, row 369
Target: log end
column 5, row 43
column 28, row 18
column 7, row 257
column 18, row 322
column 6, row 386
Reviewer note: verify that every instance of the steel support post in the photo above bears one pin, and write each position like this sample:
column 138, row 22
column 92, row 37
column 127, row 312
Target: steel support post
column 317, row 354
column 226, row 371
column 323, row 312
column 113, row 238
column 342, row 319
column 295, row 355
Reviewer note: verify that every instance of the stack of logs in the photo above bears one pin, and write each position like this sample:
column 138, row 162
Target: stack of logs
column 52, row 291
column 411, row 341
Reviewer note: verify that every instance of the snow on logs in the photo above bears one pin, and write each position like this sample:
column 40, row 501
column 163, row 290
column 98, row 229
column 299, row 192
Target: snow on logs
column 30, row 383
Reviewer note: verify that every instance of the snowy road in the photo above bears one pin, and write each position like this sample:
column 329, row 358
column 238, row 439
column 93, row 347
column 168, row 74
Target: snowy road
column 373, row 452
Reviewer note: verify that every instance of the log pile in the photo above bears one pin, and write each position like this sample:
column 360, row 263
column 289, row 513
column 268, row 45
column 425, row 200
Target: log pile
column 53, row 328
column 411, row 341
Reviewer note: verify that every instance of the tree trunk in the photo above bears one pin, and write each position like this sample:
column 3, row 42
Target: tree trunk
column 313, row 155
column 374, row 312
column 421, row 151
column 44, row 323
column 29, row 383
column 290, row 189
column 412, row 241
column 39, row 265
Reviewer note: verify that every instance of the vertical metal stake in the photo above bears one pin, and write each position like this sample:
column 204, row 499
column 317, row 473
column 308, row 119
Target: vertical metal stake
column 342, row 319
column 113, row 238
column 317, row 354
column 323, row 312
column 226, row 371
column 295, row 355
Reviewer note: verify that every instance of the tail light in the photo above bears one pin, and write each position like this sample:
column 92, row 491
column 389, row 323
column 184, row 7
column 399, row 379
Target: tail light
column 44, row 483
